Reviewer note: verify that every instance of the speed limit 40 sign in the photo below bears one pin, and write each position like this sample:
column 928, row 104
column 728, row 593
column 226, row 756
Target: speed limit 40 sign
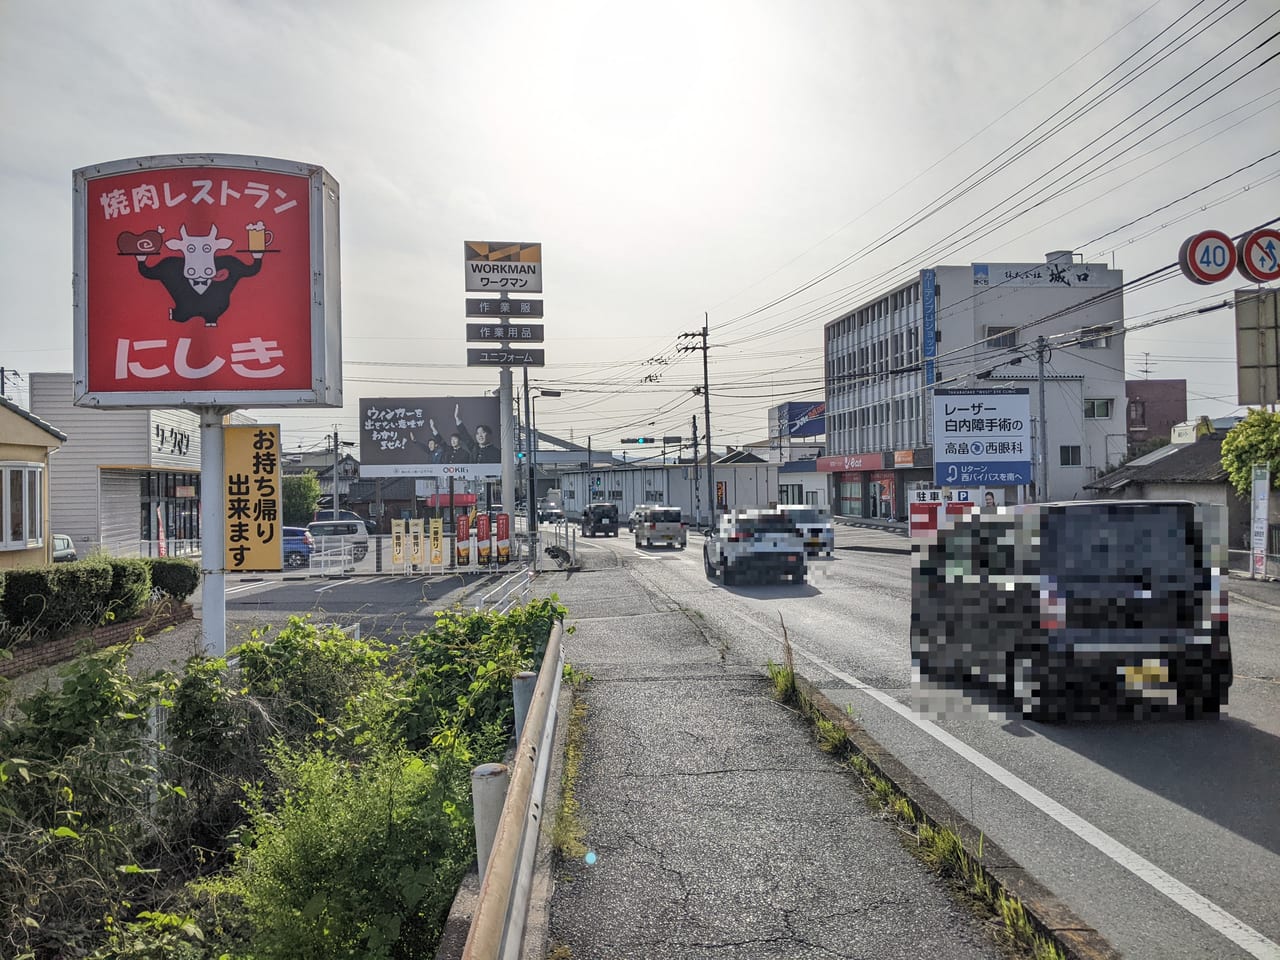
column 1208, row 257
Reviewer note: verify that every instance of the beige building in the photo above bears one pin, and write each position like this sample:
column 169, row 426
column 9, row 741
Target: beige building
column 26, row 442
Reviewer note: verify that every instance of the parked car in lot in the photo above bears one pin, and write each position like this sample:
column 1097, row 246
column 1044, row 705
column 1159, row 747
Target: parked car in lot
column 1078, row 607
column 335, row 535
column 815, row 527
column 370, row 526
column 64, row 548
column 659, row 524
column 600, row 518
column 754, row 543
column 298, row 544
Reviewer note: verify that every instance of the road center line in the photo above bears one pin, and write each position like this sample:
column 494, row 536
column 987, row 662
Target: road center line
column 1203, row 909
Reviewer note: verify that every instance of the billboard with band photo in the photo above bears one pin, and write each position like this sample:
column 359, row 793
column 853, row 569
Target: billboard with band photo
column 430, row 437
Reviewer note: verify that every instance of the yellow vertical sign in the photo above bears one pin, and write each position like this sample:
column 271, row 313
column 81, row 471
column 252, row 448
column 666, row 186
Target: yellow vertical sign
column 417, row 545
column 397, row 542
column 437, row 542
column 251, row 468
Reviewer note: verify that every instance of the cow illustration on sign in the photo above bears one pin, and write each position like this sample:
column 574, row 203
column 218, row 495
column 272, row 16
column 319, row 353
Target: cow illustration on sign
column 199, row 281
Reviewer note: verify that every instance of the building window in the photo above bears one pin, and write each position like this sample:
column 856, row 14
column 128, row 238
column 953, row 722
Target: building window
column 1069, row 456
column 1137, row 413
column 1097, row 409
column 1096, row 338
column 21, row 526
column 1002, row 338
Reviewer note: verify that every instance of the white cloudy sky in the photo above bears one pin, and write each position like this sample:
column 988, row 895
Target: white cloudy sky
column 672, row 158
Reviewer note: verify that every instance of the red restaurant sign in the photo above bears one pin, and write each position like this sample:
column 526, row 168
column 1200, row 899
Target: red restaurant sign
column 854, row 461
column 206, row 280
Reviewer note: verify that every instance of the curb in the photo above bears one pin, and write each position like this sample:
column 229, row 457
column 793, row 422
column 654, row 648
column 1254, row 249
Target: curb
column 1051, row 917
column 865, row 549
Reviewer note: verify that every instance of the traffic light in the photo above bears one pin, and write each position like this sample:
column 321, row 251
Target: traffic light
column 638, row 440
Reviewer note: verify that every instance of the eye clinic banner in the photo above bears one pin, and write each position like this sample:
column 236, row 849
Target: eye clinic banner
column 430, row 437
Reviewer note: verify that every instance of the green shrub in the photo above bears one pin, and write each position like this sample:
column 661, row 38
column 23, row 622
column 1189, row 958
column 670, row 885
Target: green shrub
column 359, row 861
column 460, row 673
column 45, row 600
column 130, row 587
column 174, row 577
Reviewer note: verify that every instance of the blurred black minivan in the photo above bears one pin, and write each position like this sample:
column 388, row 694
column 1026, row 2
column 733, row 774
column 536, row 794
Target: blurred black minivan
column 1078, row 608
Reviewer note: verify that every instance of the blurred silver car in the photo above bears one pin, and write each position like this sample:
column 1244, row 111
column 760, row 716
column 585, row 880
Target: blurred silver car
column 758, row 543
column 815, row 527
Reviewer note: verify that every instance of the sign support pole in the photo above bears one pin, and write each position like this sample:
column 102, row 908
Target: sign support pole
column 1042, row 345
column 213, row 533
column 507, row 426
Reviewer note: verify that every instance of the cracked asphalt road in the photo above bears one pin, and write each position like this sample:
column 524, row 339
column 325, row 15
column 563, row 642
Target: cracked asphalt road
column 719, row 828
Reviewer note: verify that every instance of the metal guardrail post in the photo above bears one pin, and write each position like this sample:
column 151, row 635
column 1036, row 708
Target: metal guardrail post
column 497, row 926
column 488, row 793
column 522, row 685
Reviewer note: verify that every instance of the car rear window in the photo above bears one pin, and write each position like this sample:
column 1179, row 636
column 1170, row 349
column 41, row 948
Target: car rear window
column 664, row 516
column 1141, row 542
column 803, row 516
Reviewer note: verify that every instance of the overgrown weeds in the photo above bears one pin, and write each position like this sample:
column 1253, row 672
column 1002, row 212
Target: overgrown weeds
column 311, row 799
column 568, row 833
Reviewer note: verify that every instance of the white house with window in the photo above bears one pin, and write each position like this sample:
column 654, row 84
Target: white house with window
column 26, row 442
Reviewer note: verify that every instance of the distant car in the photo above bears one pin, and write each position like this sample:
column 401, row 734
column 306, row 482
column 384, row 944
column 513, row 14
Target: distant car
column 815, row 527
column 635, row 514
column 754, row 543
column 660, row 524
column 298, row 544
column 370, row 526
column 330, row 535
column 550, row 514
column 600, row 518
column 64, row 548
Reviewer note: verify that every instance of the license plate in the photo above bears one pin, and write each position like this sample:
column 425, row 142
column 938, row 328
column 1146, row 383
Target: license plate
column 1150, row 674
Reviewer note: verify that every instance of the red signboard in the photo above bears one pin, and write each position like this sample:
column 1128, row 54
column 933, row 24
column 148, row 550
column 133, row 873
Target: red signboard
column 206, row 280
column 853, row 461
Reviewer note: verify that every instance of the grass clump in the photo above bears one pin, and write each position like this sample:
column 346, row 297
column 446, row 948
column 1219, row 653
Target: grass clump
column 568, row 835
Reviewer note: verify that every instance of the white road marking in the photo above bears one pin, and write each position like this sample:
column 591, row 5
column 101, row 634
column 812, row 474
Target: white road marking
column 246, row 587
column 330, row 586
column 1203, row 909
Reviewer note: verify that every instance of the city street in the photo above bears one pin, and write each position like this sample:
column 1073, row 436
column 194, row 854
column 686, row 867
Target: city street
column 1163, row 834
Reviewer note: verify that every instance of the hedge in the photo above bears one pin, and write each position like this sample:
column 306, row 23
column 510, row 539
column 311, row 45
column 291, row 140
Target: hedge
column 48, row 599
column 174, row 577
column 130, row 587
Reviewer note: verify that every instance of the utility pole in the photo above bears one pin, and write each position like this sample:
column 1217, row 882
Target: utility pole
column 697, row 487
column 1042, row 347
column 706, row 409
column 335, row 471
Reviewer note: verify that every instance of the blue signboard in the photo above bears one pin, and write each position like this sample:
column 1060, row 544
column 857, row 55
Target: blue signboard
column 981, row 438
column 928, row 296
column 800, row 419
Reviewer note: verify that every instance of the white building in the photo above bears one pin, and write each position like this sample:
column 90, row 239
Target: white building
column 123, row 477
column 958, row 326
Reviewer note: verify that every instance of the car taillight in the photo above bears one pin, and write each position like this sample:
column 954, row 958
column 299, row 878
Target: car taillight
column 1218, row 601
column 653, row 526
column 308, row 540
column 1053, row 609
column 739, row 537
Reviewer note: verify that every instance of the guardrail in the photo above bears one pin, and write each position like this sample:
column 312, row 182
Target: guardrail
column 509, row 591
column 497, row 927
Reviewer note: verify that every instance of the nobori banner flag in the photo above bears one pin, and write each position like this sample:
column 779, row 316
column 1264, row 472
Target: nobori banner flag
column 430, row 437
column 981, row 437
column 206, row 280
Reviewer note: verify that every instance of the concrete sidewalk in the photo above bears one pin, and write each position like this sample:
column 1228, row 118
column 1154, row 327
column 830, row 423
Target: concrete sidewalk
column 716, row 827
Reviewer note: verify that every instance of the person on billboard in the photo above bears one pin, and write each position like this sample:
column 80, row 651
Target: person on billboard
column 484, row 451
column 433, row 447
column 458, row 451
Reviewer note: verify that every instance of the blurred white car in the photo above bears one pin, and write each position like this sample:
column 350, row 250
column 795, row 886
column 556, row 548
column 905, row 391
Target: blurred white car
column 815, row 527
column 759, row 543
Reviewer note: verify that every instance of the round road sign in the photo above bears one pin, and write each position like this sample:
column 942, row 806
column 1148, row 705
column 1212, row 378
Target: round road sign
column 1260, row 256
column 1207, row 257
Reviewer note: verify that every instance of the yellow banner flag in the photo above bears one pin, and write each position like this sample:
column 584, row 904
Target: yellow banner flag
column 397, row 541
column 417, row 544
